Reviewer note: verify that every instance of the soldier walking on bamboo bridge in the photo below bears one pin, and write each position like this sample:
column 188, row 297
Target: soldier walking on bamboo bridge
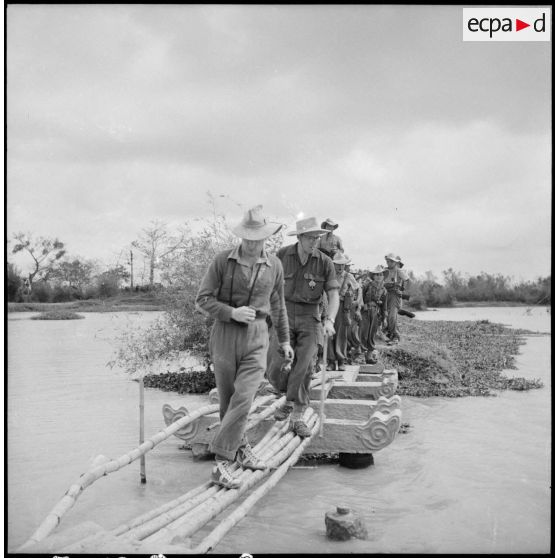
column 241, row 288
column 308, row 274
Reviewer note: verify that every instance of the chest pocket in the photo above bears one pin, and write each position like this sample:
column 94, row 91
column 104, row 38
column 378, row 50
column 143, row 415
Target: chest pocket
column 312, row 287
column 289, row 289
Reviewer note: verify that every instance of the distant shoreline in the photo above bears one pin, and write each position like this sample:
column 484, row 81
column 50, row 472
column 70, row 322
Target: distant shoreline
column 154, row 304
column 117, row 304
column 479, row 304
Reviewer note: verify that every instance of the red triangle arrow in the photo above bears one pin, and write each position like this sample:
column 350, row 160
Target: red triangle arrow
column 519, row 25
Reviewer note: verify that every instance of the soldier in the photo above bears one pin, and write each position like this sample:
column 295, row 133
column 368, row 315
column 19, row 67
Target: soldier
column 373, row 296
column 330, row 243
column 395, row 282
column 337, row 345
column 308, row 274
column 354, row 347
column 240, row 289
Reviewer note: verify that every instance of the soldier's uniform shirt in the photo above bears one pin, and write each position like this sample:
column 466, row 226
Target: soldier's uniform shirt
column 305, row 284
column 304, row 287
column 239, row 350
column 330, row 244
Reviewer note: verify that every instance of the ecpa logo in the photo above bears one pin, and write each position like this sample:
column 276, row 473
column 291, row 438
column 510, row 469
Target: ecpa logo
column 506, row 24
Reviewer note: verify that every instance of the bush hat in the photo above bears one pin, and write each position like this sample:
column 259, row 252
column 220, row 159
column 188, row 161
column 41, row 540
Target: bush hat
column 340, row 259
column 391, row 256
column 254, row 225
column 378, row 270
column 308, row 225
column 329, row 222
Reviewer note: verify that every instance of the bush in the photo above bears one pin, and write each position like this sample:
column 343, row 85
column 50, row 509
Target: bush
column 58, row 315
column 90, row 292
column 62, row 294
column 13, row 284
column 41, row 292
column 194, row 381
column 108, row 288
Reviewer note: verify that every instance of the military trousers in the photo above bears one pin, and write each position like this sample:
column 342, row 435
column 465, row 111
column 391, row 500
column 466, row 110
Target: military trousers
column 304, row 332
column 393, row 304
column 337, row 344
column 369, row 326
column 239, row 353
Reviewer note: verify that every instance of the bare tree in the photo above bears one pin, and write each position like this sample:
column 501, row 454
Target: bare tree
column 45, row 252
column 155, row 243
column 76, row 272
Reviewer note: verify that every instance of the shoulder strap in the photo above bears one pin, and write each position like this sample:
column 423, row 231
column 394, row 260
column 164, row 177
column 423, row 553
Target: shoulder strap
column 253, row 284
column 232, row 280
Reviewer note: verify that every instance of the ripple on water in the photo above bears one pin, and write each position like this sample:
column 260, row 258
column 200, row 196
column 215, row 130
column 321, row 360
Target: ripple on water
column 471, row 474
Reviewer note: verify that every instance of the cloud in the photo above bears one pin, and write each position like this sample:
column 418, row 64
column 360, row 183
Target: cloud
column 378, row 116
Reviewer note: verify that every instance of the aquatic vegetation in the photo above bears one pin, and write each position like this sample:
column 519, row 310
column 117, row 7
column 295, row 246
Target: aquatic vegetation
column 438, row 358
column 185, row 381
column 58, row 315
column 455, row 359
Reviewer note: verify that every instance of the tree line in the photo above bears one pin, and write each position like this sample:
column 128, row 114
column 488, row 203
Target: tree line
column 175, row 261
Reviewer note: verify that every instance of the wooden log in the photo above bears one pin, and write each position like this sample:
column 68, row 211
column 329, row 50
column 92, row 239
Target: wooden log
column 143, row 477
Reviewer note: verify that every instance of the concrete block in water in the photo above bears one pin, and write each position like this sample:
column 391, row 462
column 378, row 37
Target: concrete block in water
column 344, row 524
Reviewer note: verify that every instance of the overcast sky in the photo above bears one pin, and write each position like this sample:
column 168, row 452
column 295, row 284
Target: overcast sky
column 379, row 117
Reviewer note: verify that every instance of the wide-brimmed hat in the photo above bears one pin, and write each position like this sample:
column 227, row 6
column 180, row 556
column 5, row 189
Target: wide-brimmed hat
column 377, row 270
column 254, row 225
column 308, row 225
column 329, row 222
column 391, row 256
column 340, row 259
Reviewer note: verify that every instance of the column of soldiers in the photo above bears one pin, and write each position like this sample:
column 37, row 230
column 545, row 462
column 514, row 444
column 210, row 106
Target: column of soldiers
column 273, row 317
column 369, row 307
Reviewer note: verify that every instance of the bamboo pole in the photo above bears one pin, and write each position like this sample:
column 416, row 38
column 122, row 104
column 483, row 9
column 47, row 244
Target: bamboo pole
column 143, row 478
column 262, row 415
column 209, row 542
column 72, row 494
column 197, row 518
column 322, row 392
column 120, row 530
column 156, row 525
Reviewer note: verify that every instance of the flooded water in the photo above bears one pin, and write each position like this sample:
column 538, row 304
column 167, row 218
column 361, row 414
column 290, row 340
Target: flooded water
column 472, row 475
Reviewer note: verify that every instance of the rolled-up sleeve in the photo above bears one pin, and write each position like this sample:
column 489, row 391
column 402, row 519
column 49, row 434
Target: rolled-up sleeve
column 208, row 291
column 330, row 276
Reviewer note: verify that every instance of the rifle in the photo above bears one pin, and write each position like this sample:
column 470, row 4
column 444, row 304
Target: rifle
column 402, row 312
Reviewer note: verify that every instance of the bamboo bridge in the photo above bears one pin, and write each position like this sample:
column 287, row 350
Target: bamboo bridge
column 362, row 416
